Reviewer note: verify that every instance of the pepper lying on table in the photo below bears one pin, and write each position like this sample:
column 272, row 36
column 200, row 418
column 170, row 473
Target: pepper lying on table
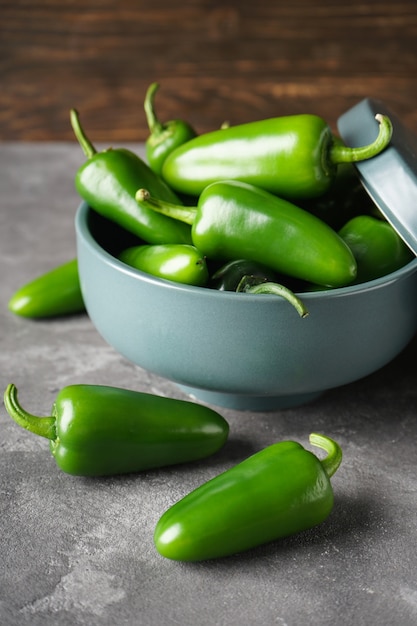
column 96, row 430
column 57, row 292
column 277, row 492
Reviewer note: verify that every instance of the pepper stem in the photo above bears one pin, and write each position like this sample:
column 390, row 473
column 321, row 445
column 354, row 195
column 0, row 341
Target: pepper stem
column 43, row 426
column 155, row 126
column 334, row 452
column 275, row 289
column 86, row 145
column 340, row 153
column 181, row 213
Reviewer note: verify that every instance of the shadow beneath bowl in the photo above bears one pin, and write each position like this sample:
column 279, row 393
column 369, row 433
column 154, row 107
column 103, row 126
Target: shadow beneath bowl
column 241, row 402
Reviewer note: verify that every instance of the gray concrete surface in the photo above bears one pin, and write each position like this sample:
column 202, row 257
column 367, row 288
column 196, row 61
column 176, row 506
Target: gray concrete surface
column 77, row 551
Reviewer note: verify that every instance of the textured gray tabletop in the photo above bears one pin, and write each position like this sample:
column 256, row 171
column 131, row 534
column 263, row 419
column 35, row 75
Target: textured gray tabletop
column 79, row 551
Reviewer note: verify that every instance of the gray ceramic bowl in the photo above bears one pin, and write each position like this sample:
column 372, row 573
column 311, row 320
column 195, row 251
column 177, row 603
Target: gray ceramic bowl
column 241, row 350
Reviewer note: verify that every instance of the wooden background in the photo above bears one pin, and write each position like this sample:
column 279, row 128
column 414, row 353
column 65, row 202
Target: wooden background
column 235, row 60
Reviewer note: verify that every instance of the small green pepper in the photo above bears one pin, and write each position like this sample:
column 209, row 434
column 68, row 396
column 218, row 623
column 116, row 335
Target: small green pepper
column 164, row 138
column 294, row 156
column 228, row 276
column 96, row 430
column 278, row 491
column 108, row 182
column 181, row 263
column 376, row 246
column 235, row 220
column 54, row 293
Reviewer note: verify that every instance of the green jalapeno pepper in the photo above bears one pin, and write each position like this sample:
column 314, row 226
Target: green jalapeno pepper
column 376, row 246
column 240, row 274
column 294, row 156
column 235, row 219
column 54, row 293
column 276, row 492
column 164, row 138
column 108, row 182
column 228, row 276
column 96, row 430
column 181, row 263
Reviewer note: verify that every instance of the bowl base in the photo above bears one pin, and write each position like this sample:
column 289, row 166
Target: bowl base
column 242, row 402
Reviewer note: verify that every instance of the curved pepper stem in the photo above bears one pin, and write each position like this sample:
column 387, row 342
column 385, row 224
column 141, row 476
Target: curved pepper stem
column 343, row 154
column 334, row 452
column 43, row 426
column 185, row 214
column 275, row 289
column 155, row 126
column 86, row 145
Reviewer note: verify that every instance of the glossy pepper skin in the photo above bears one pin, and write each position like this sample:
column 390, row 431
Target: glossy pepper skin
column 294, row 156
column 97, row 431
column 235, row 220
column 108, row 182
column 376, row 246
column 181, row 263
column 164, row 137
column 277, row 492
column 55, row 293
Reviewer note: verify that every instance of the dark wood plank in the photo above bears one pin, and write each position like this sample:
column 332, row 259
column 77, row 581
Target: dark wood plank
column 237, row 61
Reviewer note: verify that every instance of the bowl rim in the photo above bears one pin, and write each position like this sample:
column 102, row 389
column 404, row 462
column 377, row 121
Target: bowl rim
column 83, row 232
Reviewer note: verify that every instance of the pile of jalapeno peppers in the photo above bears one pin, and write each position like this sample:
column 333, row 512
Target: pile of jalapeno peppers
column 279, row 194
column 273, row 207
